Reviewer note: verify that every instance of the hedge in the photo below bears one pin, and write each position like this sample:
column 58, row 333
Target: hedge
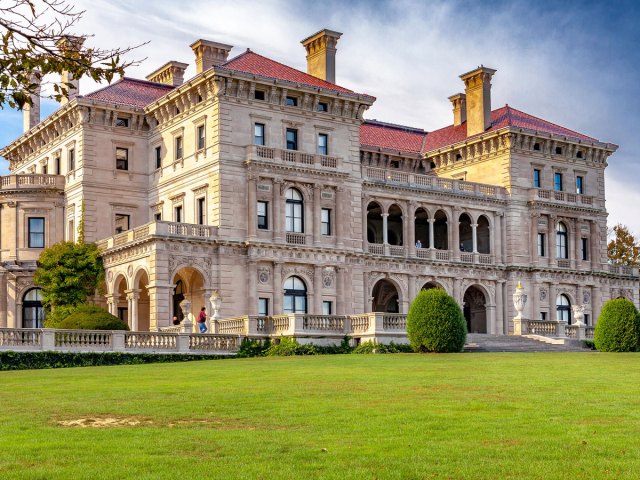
column 618, row 327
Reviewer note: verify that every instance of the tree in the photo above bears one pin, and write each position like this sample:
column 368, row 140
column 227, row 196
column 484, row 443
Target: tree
column 435, row 323
column 618, row 327
column 623, row 248
column 36, row 39
column 68, row 273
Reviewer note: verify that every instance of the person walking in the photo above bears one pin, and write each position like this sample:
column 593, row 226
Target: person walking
column 202, row 320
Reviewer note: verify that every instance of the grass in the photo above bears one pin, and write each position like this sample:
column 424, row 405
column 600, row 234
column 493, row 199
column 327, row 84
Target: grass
column 461, row 416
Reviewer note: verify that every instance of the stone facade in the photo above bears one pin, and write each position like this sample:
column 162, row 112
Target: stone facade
column 262, row 189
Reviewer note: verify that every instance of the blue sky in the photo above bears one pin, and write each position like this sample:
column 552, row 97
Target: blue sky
column 573, row 63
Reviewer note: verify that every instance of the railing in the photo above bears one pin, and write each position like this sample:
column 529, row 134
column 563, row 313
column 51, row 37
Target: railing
column 280, row 323
column 563, row 263
column 431, row 182
column 376, row 248
column 622, row 270
column 216, row 343
column 394, row 322
column 485, row 259
column 163, row 229
column 12, row 182
column 466, row 257
column 150, row 341
column 23, row 337
column 83, row 339
column 543, row 327
column 172, row 329
column 396, row 251
column 442, row 255
column 234, row 325
column 296, row 238
column 571, row 331
column 325, row 323
column 359, row 323
column 566, row 197
column 292, row 156
column 589, row 331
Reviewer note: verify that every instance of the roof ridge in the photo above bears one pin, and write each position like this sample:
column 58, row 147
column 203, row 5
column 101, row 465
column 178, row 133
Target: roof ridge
column 397, row 126
column 550, row 123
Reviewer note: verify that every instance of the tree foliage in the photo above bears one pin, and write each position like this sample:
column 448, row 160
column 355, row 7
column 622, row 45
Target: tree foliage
column 68, row 273
column 92, row 317
column 623, row 248
column 36, row 39
column 435, row 323
column 618, row 327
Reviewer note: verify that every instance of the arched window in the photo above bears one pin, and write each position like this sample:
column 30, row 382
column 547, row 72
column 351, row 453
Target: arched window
column 32, row 311
column 483, row 234
column 295, row 211
column 563, row 309
column 562, row 250
column 295, row 296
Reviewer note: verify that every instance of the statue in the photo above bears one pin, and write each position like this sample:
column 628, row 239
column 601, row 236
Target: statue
column 578, row 315
column 519, row 300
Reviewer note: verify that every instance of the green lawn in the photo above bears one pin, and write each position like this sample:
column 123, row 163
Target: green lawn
column 471, row 416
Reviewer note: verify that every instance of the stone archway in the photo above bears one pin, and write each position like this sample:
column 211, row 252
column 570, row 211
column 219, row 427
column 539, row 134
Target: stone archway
column 192, row 284
column 141, row 297
column 475, row 311
column 385, row 297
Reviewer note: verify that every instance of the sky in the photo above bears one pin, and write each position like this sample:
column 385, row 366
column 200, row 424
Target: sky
column 574, row 63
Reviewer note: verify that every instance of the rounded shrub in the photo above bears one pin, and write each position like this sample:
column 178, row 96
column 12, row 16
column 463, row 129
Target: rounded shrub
column 92, row 317
column 435, row 323
column 618, row 327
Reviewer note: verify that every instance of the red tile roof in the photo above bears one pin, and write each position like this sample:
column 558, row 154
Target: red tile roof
column 254, row 64
column 503, row 117
column 392, row 137
column 131, row 91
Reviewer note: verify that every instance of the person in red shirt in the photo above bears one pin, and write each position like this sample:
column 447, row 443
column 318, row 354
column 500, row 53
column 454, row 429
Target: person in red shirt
column 202, row 320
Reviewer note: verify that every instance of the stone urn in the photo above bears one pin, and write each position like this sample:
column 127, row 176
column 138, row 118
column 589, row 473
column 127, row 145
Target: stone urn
column 216, row 303
column 519, row 300
column 578, row 315
column 187, row 323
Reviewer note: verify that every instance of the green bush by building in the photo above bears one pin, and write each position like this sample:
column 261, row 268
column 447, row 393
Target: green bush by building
column 618, row 327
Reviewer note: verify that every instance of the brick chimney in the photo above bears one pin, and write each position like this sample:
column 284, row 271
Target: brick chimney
column 459, row 103
column 69, row 46
column 171, row 73
column 31, row 113
column 321, row 54
column 478, row 98
column 209, row 53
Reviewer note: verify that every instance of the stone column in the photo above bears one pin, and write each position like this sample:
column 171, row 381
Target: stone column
column 385, row 233
column 277, row 288
column 132, row 301
column 368, row 302
column 474, row 237
column 498, row 238
column 160, row 313
column 412, row 288
column 501, row 328
column 534, row 238
column 364, row 225
column 252, row 287
column 456, row 290
column 277, row 206
column 317, row 290
column 4, row 294
column 112, row 304
column 553, row 294
column 340, row 293
column 431, row 239
column 593, row 247
column 455, row 248
column 490, row 312
column 596, row 302
column 410, row 239
column 252, row 218
column 551, row 230
column 572, row 225
column 535, row 300
column 340, row 221
column 317, row 191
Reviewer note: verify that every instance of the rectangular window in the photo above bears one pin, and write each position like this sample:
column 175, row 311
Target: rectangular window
column 157, row 217
column 200, row 210
column 123, row 314
column 71, row 232
column 323, row 144
column 122, row 158
column 258, row 95
column 292, row 101
column 45, row 169
column 178, row 148
column 177, row 214
column 158, row 157
column 122, row 122
column 325, row 217
column 263, row 307
column 57, row 164
column 36, row 232
column 327, row 308
column 584, row 248
column 72, row 160
column 586, row 319
column 263, row 217
column 557, row 182
column 122, row 223
column 541, row 244
column 292, row 139
column 536, row 178
column 543, row 315
column 323, row 107
column 580, row 185
column 200, row 137
column 258, row 134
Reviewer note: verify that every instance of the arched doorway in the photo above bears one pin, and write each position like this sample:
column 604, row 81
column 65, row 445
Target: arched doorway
column 32, row 311
column 144, row 305
column 475, row 312
column 430, row 285
column 440, row 231
column 563, row 309
column 178, row 296
column 121, row 309
column 295, row 296
column 466, row 233
column 385, row 297
column 394, row 226
column 374, row 223
column 191, row 287
column 484, row 235
column 422, row 228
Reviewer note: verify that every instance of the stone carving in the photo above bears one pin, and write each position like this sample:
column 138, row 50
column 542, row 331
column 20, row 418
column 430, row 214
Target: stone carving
column 130, row 271
column 263, row 275
column 328, row 277
column 586, row 297
column 543, row 293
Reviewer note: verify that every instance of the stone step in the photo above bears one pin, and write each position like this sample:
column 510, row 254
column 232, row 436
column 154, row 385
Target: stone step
column 510, row 343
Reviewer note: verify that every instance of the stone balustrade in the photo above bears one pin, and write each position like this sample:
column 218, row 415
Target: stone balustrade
column 430, row 254
column 30, row 181
column 47, row 339
column 552, row 328
column 292, row 157
column 541, row 194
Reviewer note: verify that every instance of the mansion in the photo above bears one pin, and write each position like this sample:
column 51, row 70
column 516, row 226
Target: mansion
column 266, row 187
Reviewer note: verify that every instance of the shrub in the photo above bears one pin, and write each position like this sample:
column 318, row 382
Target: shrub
column 286, row 347
column 253, row 348
column 57, row 315
column 371, row 347
column 435, row 323
column 618, row 327
column 92, row 317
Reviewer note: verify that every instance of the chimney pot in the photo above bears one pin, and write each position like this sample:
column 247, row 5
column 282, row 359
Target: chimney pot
column 31, row 113
column 209, row 54
column 69, row 46
column 171, row 73
column 478, row 99
column 321, row 54
column 459, row 103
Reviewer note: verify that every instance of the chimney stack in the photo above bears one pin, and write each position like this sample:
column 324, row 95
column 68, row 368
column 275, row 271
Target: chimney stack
column 31, row 113
column 321, row 54
column 209, row 54
column 478, row 98
column 459, row 103
column 69, row 46
column 171, row 73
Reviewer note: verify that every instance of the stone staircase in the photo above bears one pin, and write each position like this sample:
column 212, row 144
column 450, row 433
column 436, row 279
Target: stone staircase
column 477, row 342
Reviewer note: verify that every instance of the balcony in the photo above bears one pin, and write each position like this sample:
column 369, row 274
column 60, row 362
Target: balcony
column 292, row 157
column 540, row 194
column 623, row 270
column 31, row 181
column 429, row 254
column 159, row 229
column 431, row 183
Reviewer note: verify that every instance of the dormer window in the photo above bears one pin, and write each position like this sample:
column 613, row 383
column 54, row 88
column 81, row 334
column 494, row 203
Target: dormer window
column 259, row 95
column 292, row 101
column 122, row 122
column 323, row 107
column 536, row 146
